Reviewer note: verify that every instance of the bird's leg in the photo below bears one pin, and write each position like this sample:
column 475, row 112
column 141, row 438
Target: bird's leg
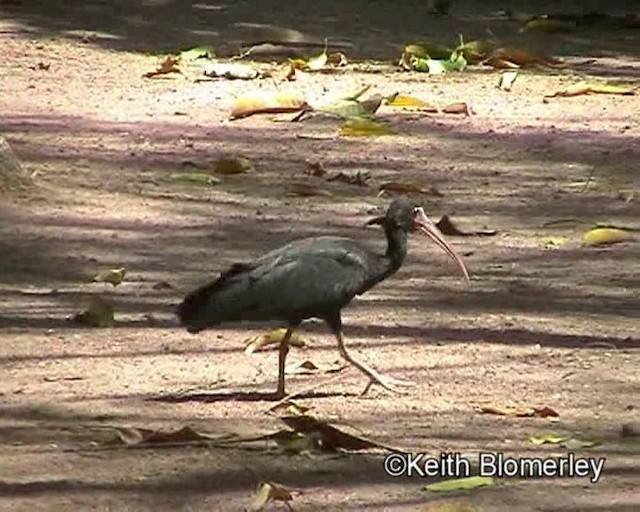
column 375, row 377
column 282, row 356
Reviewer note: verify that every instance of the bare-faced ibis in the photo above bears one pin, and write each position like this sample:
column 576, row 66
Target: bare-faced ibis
column 311, row 278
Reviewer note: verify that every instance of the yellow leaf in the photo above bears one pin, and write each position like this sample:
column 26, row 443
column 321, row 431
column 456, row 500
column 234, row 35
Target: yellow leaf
column 604, row 236
column 318, row 62
column 591, row 88
column 404, row 101
column 272, row 337
column 262, row 102
column 363, row 127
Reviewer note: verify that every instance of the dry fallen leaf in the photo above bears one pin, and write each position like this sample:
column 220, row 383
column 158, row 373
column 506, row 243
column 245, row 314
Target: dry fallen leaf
column 458, row 108
column 310, row 368
column 267, row 492
column 330, row 437
column 519, row 411
column 460, row 484
column 363, row 127
column 315, row 168
column 509, row 57
column 405, row 101
column 166, row 66
column 447, row 227
column 113, row 276
column 262, row 102
column 230, row 70
column 233, row 165
column 395, row 187
column 605, row 236
column 592, row 88
column 271, row 339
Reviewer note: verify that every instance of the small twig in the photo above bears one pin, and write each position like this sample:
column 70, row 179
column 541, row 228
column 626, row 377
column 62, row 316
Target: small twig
column 242, row 55
column 303, row 391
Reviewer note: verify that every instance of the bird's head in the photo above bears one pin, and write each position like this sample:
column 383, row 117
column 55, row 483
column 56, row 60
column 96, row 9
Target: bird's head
column 405, row 215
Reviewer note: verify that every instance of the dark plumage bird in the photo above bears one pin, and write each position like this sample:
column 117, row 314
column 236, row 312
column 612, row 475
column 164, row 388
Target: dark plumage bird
column 310, row 278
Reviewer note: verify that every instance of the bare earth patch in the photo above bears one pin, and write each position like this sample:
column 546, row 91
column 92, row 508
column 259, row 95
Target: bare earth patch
column 546, row 321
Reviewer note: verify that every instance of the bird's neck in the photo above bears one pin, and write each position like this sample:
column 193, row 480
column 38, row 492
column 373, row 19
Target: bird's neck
column 396, row 249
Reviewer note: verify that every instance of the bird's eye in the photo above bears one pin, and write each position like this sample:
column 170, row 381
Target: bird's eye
column 416, row 210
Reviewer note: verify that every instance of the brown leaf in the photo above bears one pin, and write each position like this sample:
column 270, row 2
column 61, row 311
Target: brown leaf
column 262, row 102
column 332, row 438
column 359, row 178
column 447, row 227
column 267, row 492
column 310, row 368
column 516, row 57
column 395, row 187
column 458, row 108
column 315, row 168
column 166, row 66
column 520, row 411
column 337, row 59
column 233, row 165
column 592, row 88
column 304, row 189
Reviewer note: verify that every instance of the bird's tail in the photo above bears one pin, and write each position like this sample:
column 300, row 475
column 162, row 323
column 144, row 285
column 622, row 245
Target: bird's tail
column 209, row 305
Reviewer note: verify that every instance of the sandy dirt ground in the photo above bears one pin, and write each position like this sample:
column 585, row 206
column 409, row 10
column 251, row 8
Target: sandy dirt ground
column 545, row 322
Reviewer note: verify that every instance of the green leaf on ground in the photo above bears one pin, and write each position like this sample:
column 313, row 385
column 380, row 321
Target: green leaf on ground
column 197, row 52
column 112, row 276
column 460, row 484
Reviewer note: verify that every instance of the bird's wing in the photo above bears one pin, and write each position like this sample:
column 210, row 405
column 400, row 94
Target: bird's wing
column 310, row 280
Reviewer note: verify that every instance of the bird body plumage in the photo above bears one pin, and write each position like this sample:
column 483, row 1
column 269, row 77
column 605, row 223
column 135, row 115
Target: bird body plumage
column 311, row 277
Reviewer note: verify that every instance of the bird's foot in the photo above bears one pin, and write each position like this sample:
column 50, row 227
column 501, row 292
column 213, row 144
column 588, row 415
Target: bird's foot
column 389, row 383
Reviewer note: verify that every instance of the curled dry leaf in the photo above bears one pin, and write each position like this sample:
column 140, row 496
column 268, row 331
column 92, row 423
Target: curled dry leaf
column 460, row 484
column 233, row 165
column 168, row 65
column 290, row 408
column 99, row 314
column 396, row 187
column 267, row 492
column 605, row 236
column 113, row 276
column 447, row 227
column 458, row 108
column 269, row 339
column 592, row 88
column 337, row 59
column 262, row 102
column 310, row 368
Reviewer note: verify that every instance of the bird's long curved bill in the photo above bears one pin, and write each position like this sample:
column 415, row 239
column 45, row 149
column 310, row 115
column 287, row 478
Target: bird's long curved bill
column 426, row 226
